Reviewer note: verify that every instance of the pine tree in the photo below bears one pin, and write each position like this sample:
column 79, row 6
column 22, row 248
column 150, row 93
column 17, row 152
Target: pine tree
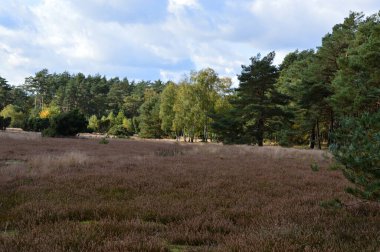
column 150, row 123
column 258, row 100
column 5, row 90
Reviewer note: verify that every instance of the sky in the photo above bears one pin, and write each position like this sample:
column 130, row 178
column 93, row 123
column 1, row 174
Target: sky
column 159, row 39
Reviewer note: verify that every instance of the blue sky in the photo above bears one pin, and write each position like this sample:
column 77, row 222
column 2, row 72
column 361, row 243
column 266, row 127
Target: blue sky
column 159, row 39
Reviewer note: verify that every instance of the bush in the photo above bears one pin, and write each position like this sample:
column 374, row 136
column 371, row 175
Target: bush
column 93, row 123
column 49, row 132
column 36, row 124
column 356, row 146
column 284, row 138
column 104, row 125
column 16, row 115
column 119, row 131
column 4, row 122
column 314, row 167
column 67, row 124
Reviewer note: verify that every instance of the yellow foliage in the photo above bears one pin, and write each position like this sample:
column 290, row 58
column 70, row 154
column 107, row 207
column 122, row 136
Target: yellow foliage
column 45, row 113
column 49, row 111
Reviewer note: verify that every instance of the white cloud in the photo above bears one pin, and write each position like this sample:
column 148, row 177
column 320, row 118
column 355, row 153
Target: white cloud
column 292, row 23
column 172, row 75
column 62, row 29
column 175, row 6
column 153, row 39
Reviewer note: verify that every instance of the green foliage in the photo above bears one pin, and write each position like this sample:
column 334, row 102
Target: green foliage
column 132, row 104
column 104, row 125
column 186, row 111
column 93, row 123
column 119, row 131
column 150, row 123
column 259, row 103
column 66, row 124
column 167, row 113
column 118, row 126
column 49, row 132
column 284, row 136
column 120, row 118
column 128, row 124
column 314, row 167
column 336, row 166
column 356, row 146
column 16, row 115
column 5, row 90
column 4, row 122
column 206, row 83
column 229, row 128
column 111, row 118
column 357, row 83
column 35, row 124
column 118, row 91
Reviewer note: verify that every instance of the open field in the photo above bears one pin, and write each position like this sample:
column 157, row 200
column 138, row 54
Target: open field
column 79, row 195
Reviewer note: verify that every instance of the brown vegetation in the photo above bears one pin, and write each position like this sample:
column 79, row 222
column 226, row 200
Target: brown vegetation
column 79, row 195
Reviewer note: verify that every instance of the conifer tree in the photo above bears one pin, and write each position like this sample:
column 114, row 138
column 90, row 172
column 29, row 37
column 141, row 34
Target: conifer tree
column 258, row 100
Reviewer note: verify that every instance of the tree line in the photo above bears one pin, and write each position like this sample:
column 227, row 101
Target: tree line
column 300, row 102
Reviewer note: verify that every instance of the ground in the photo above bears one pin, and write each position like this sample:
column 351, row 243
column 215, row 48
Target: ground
column 130, row 195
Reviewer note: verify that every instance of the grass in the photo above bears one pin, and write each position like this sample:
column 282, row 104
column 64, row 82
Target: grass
column 79, row 195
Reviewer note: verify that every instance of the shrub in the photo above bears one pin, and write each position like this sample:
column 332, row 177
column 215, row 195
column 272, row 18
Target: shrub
column 119, row 131
column 35, row 124
column 4, row 122
column 284, row 138
column 49, row 111
column 16, row 115
column 356, row 146
column 314, row 167
column 93, row 123
column 49, row 132
column 66, row 124
column 128, row 124
column 104, row 125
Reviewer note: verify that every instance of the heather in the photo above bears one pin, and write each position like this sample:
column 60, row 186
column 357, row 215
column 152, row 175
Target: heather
column 145, row 195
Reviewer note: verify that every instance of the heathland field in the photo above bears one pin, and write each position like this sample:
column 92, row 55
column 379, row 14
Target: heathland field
column 129, row 195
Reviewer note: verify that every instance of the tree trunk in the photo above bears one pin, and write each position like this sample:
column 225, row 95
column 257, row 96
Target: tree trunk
column 312, row 137
column 205, row 133
column 134, row 125
column 331, row 129
column 192, row 134
column 260, row 132
column 184, row 135
column 318, row 135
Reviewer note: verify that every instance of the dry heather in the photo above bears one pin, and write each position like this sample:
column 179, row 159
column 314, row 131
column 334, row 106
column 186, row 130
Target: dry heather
column 79, row 195
column 18, row 134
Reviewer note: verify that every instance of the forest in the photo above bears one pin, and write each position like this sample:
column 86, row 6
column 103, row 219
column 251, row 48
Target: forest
column 328, row 96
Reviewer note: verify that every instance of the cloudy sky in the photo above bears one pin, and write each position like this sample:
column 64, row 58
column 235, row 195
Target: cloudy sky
column 152, row 39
